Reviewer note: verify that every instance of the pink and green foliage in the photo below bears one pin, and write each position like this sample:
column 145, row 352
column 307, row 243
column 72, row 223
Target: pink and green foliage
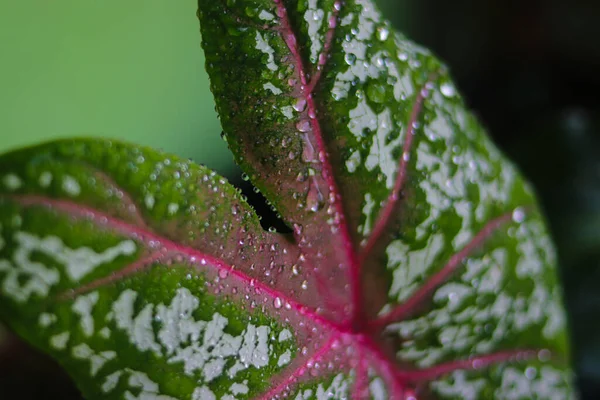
column 418, row 265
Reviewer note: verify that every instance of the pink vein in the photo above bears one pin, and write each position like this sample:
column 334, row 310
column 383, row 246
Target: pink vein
column 442, row 276
column 473, row 363
column 360, row 389
column 168, row 246
column 132, row 207
column 386, row 368
column 291, row 42
column 298, row 372
column 387, row 212
column 125, row 272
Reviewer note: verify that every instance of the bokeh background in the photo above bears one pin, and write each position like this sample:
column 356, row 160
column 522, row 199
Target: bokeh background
column 133, row 70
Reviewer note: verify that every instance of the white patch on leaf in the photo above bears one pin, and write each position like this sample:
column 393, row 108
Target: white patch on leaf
column 111, row 381
column 377, row 389
column 410, row 267
column 547, row 383
column 97, row 361
column 355, row 52
column 459, row 386
column 104, row 333
column 138, row 329
column 203, row 393
column 263, row 45
column 274, row 89
column 201, row 346
column 45, row 179
column 266, row 16
column 26, row 278
column 284, row 335
column 149, row 201
column 172, row 208
column 12, row 182
column 83, row 307
column 148, row 389
column 314, row 19
column 41, row 278
column 59, row 342
column 353, row 162
column 284, row 359
column 46, row 319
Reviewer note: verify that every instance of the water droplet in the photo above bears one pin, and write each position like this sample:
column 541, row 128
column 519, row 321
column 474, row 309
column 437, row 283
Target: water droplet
column 272, row 229
column 382, row 33
column 350, row 58
column 304, row 285
column 300, row 105
column 530, row 373
column 223, row 273
column 245, row 177
column 295, row 269
column 332, row 22
column 277, row 303
column 448, row 90
column 303, row 125
column 314, row 199
column 376, row 93
column 308, row 151
column 544, row 355
column 518, row 215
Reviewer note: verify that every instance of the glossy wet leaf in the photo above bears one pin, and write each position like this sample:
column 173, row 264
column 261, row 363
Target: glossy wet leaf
column 419, row 265
column 424, row 240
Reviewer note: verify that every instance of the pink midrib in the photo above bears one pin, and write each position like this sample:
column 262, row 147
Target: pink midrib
column 350, row 253
column 129, row 230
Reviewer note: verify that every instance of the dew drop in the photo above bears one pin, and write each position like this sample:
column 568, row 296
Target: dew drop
column 447, row 90
column 530, row 373
column 304, row 285
column 518, row 215
column 350, row 58
column 376, row 93
column 303, row 125
column 308, row 151
column 332, row 22
column 223, row 273
column 300, row 105
column 382, row 33
column 544, row 355
column 277, row 303
column 314, row 199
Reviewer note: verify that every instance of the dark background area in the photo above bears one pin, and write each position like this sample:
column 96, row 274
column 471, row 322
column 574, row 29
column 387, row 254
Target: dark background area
column 531, row 71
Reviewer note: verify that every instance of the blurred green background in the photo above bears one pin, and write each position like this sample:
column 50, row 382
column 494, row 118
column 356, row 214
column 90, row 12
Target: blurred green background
column 133, row 69
column 129, row 69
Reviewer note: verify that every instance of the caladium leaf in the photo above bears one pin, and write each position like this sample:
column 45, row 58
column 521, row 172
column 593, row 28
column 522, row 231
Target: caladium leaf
column 426, row 246
column 419, row 265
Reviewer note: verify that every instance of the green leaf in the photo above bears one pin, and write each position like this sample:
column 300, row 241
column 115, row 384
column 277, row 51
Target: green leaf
column 426, row 241
column 419, row 265
column 121, row 262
